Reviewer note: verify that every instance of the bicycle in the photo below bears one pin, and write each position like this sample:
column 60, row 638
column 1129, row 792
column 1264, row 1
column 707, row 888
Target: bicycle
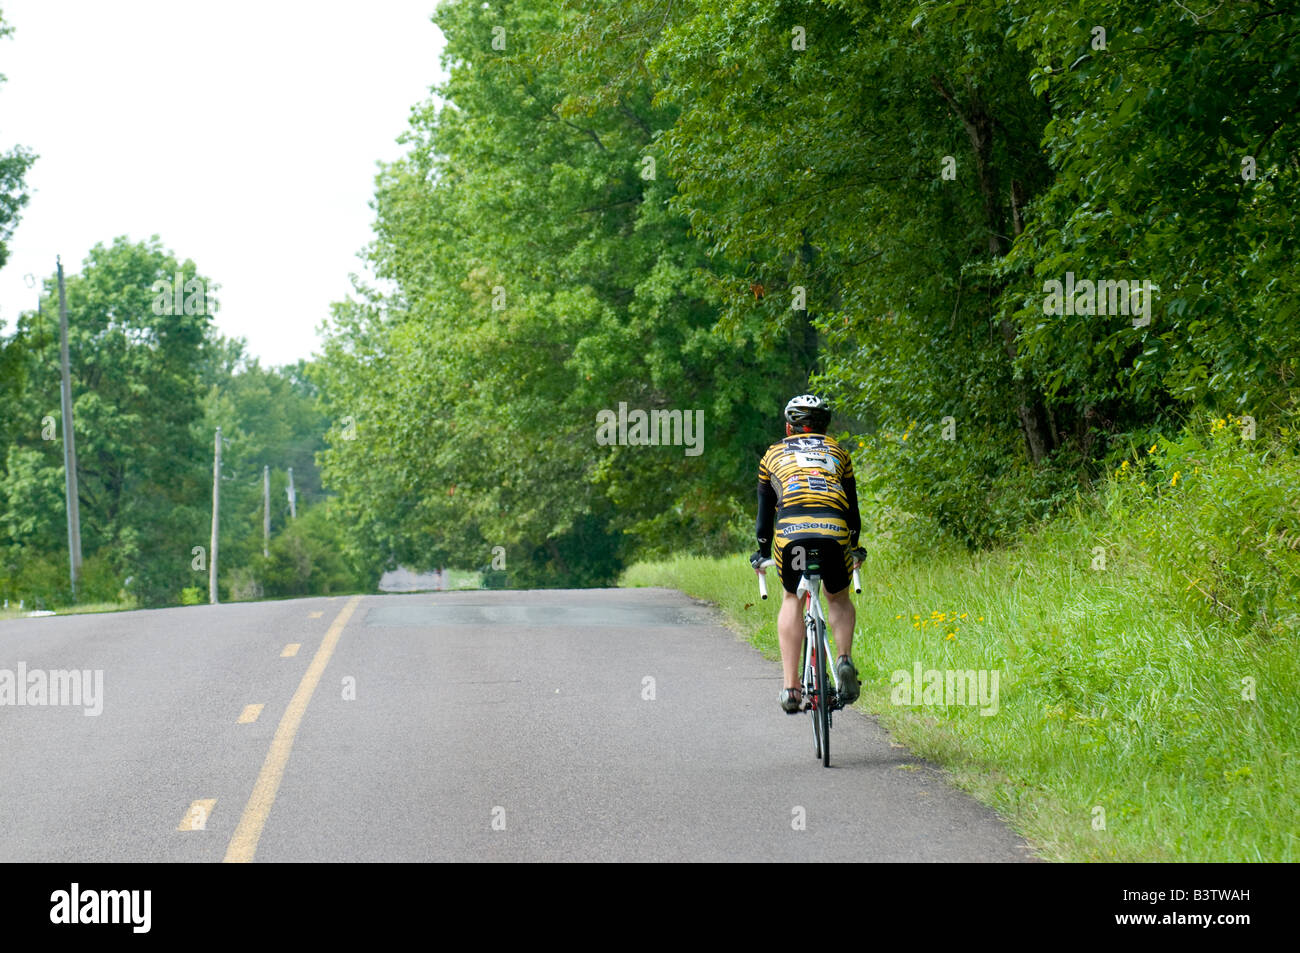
column 820, row 694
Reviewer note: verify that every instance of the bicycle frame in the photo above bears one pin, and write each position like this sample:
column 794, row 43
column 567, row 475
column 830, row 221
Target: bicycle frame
column 818, row 700
column 809, row 590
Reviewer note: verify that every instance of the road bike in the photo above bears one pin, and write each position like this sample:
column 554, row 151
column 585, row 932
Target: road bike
column 820, row 693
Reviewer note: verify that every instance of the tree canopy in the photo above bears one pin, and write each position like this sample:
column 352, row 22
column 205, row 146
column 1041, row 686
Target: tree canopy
column 701, row 204
column 1009, row 241
column 14, row 164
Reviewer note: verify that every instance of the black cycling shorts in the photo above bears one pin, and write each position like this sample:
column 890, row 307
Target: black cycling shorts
column 830, row 556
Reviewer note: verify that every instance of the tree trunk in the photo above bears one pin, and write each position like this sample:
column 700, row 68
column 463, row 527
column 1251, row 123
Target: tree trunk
column 809, row 344
column 979, row 129
column 555, row 555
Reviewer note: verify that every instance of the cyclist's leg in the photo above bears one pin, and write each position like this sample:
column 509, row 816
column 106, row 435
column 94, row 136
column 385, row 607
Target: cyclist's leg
column 843, row 616
column 789, row 619
column 837, row 565
column 789, row 631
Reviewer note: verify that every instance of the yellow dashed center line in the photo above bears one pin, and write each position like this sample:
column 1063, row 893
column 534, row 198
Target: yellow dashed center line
column 249, row 714
column 243, row 844
column 314, row 615
column 291, row 650
column 196, row 818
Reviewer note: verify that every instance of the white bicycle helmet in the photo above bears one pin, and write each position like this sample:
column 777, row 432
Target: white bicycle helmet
column 808, row 410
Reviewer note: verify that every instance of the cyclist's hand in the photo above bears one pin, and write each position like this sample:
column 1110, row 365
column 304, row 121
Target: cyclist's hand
column 859, row 556
column 757, row 560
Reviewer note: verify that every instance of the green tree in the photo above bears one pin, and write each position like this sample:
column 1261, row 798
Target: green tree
column 1175, row 150
column 307, row 558
column 269, row 417
column 922, row 171
column 542, row 278
column 141, row 468
column 13, row 167
column 874, row 165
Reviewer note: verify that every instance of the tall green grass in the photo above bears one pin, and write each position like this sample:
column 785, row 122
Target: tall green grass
column 1138, row 718
column 13, row 612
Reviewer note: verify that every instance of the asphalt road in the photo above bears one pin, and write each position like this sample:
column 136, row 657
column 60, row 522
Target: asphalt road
column 591, row 725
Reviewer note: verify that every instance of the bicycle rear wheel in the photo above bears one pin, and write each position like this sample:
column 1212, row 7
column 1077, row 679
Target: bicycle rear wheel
column 809, row 690
column 822, row 712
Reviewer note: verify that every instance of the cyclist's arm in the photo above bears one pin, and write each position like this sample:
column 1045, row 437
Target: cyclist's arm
column 854, row 518
column 766, row 517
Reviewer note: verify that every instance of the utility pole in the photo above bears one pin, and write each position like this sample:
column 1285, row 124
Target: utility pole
column 216, row 508
column 266, row 511
column 40, row 341
column 69, row 445
column 293, row 508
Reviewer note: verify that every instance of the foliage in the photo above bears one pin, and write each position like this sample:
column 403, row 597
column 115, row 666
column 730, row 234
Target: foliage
column 1176, row 158
column 305, row 559
column 542, row 278
column 1119, row 685
column 704, row 207
column 1221, row 507
column 13, row 167
column 149, row 390
column 923, row 171
column 269, row 417
column 135, row 404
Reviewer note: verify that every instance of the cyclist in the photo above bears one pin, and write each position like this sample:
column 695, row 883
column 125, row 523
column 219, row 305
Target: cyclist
column 808, row 495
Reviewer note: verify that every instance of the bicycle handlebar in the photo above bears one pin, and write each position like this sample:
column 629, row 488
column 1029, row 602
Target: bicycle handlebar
column 762, row 577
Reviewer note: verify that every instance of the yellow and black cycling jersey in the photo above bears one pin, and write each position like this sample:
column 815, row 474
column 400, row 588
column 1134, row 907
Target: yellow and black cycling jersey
column 806, row 485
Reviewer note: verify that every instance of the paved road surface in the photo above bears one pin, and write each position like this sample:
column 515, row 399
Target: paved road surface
column 459, row 726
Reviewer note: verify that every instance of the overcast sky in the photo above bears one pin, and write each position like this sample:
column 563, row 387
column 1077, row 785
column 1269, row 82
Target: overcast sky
column 244, row 134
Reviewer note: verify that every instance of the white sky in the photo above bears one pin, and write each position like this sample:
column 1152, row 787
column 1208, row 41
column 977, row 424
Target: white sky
column 244, row 134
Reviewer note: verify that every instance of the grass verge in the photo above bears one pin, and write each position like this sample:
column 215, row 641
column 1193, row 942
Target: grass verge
column 15, row 613
column 1126, row 727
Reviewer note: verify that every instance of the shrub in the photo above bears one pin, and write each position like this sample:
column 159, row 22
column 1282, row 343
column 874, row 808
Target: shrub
column 243, row 584
column 1222, row 517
